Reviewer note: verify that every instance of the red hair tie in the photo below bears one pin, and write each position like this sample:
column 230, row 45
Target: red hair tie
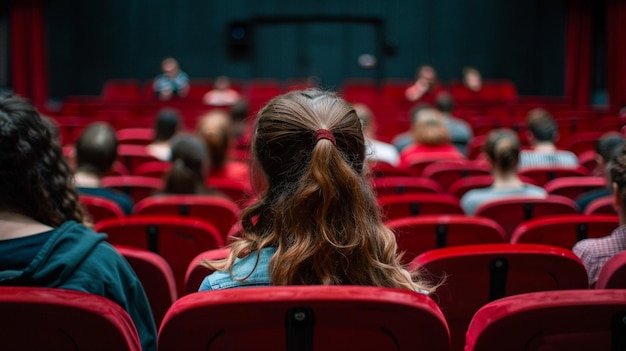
column 324, row 134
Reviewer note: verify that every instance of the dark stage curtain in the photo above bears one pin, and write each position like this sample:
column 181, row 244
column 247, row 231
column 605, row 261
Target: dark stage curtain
column 28, row 50
column 616, row 52
column 578, row 54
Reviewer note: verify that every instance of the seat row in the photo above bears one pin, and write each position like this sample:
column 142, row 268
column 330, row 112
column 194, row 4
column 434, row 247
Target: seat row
column 315, row 317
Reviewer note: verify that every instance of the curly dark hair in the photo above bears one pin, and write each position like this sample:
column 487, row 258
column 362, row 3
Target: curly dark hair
column 34, row 176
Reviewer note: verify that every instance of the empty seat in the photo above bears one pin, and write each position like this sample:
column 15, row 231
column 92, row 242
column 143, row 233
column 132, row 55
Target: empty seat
column 553, row 320
column 220, row 212
column 416, row 235
column 542, row 175
column 304, row 318
column 155, row 169
column 564, row 230
column 463, row 185
column 612, row 275
column 510, row 212
column 477, row 274
column 156, row 277
column 37, row 318
column 410, row 205
column 572, row 187
column 405, row 185
column 178, row 240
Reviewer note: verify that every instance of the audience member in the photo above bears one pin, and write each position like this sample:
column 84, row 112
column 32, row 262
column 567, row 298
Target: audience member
column 543, row 134
column 43, row 237
column 606, row 147
column 216, row 129
column 172, row 81
column 166, row 126
column 472, row 79
column 431, row 139
column 222, row 93
column 318, row 221
column 404, row 139
column 190, row 165
column 426, row 86
column 460, row 131
column 375, row 150
column 595, row 252
column 242, row 128
column 96, row 151
column 502, row 149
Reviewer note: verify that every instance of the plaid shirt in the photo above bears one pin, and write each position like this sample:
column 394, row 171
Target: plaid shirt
column 595, row 252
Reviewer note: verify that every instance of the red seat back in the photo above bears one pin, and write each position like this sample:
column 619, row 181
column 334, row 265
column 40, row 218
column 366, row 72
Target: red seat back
column 410, row 205
column 416, row 235
column 572, row 187
column 196, row 272
column 447, row 172
column 477, row 274
column 137, row 187
column 100, row 208
column 564, row 230
column 542, row 175
column 613, row 273
column 36, row 318
column 298, row 317
column 178, row 240
column 220, row 212
column 552, row 320
column 384, row 186
column 602, row 205
column 510, row 212
column 156, row 277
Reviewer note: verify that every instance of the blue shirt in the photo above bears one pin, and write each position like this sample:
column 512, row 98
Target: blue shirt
column 241, row 268
column 476, row 197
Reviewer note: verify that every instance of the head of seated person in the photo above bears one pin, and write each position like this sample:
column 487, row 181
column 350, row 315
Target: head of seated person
column 189, row 167
column 542, row 127
column 317, row 220
column 96, row 149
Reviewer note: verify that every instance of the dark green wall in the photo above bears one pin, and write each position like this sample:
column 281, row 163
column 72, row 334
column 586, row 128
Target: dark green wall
column 91, row 41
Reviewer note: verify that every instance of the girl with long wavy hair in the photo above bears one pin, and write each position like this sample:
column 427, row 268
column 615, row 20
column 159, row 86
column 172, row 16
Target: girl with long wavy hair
column 317, row 220
column 45, row 236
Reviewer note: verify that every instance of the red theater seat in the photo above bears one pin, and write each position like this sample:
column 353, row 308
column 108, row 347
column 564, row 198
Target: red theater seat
column 447, row 172
column 178, row 240
column 330, row 318
column 613, row 273
column 196, row 272
column 35, row 318
column 405, row 185
column 100, row 208
column 220, row 212
column 603, row 205
column 477, row 274
column 510, row 212
column 564, row 230
column 411, row 205
column 416, row 235
column 552, row 320
column 572, row 187
column 542, row 175
column 156, row 277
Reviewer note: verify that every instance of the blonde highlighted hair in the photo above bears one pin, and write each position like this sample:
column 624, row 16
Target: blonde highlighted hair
column 319, row 210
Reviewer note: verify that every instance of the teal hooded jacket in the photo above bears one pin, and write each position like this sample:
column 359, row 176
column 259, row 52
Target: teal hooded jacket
column 76, row 258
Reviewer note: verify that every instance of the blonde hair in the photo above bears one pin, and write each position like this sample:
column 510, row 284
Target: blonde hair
column 319, row 210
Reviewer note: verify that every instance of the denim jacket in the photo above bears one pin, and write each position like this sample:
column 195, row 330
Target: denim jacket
column 241, row 268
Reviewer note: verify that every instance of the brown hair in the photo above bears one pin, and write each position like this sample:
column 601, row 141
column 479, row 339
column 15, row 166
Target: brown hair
column 503, row 147
column 216, row 129
column 319, row 210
